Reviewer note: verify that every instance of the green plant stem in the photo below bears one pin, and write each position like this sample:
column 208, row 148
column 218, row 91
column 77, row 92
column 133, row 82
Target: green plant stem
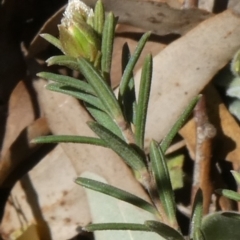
column 126, row 130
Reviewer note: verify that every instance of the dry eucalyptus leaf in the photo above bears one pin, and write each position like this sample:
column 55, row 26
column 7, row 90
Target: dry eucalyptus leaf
column 188, row 132
column 232, row 3
column 183, row 68
column 172, row 3
column 49, row 195
column 155, row 16
column 13, row 163
column 20, row 114
column 206, row 5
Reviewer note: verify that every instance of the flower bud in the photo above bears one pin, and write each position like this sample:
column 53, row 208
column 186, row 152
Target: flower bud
column 76, row 34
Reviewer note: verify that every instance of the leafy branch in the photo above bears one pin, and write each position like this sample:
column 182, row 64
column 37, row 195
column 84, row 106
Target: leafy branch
column 86, row 40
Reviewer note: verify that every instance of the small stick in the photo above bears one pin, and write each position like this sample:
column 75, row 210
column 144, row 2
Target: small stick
column 202, row 166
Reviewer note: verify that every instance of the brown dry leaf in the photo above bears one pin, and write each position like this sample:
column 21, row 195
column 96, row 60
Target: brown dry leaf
column 48, row 194
column 206, row 5
column 183, row 68
column 20, row 114
column 14, row 162
column 52, row 179
column 20, row 130
column 157, row 17
column 228, row 132
column 232, row 3
column 172, row 3
column 188, row 132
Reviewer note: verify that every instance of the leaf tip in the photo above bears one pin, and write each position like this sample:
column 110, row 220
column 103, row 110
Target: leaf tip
column 43, row 35
column 49, row 61
column 82, row 229
column 34, row 141
column 39, row 74
column 77, row 180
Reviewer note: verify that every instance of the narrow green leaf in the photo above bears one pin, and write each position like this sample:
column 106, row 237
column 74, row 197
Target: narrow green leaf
column 116, row 226
column 129, row 103
column 128, row 100
column 69, row 139
column 56, row 87
column 129, row 155
column 164, row 230
column 99, row 17
column 229, row 194
column 176, row 127
column 131, row 64
column 104, row 119
column 143, row 98
column 103, row 91
column 236, row 176
column 107, row 45
column 198, row 235
column 63, row 60
column 163, row 182
column 51, row 39
column 69, row 81
column 196, row 219
column 105, row 209
column 116, row 193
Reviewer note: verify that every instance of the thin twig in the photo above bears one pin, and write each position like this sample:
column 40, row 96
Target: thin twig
column 202, row 166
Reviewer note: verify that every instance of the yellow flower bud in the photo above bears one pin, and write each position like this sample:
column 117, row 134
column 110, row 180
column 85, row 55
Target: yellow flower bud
column 76, row 34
